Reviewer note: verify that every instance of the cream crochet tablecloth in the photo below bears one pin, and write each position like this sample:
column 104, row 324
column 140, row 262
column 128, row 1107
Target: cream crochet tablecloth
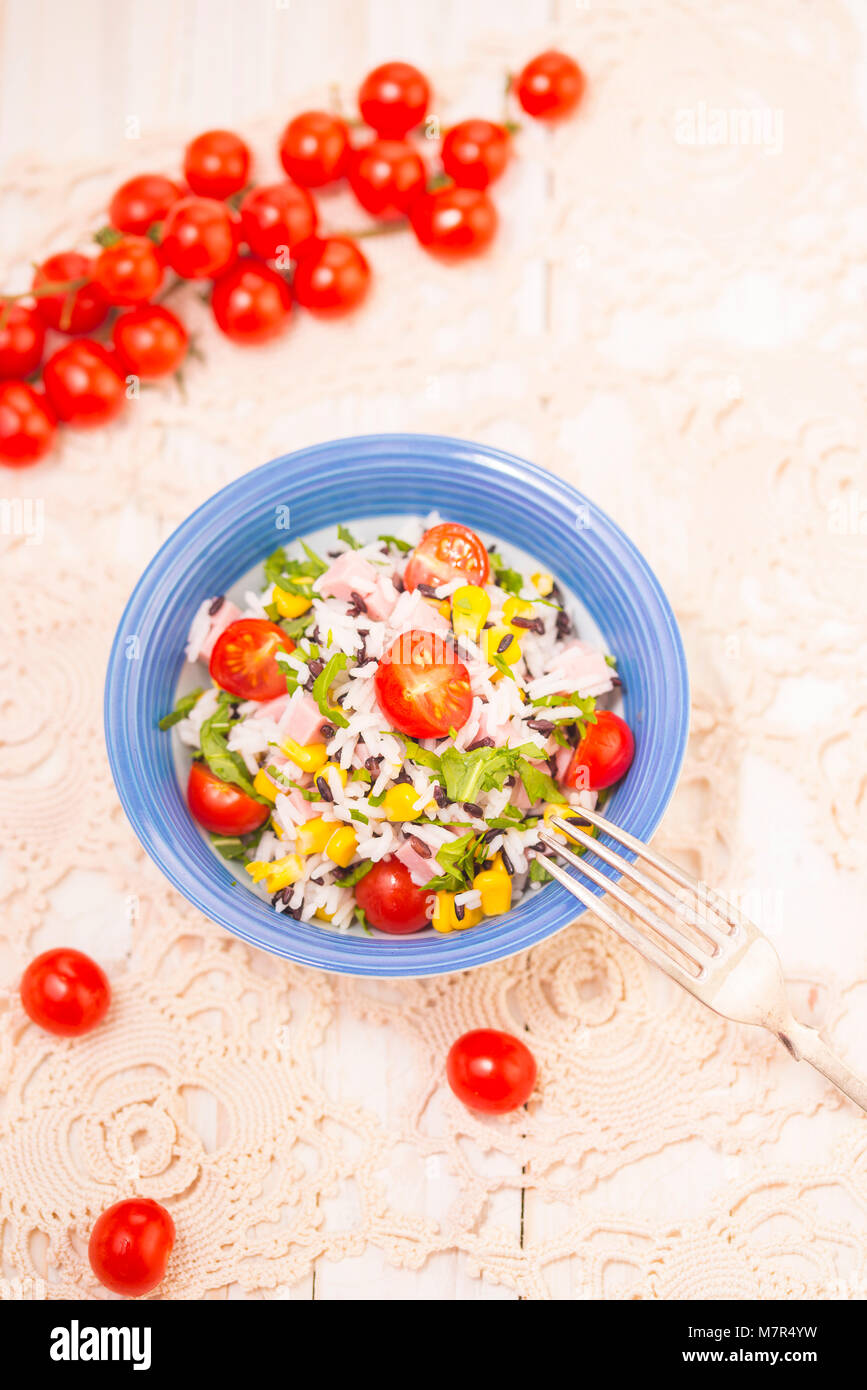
column 673, row 319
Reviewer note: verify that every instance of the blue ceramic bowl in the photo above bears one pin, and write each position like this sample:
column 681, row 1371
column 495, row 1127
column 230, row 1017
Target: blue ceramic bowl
column 496, row 493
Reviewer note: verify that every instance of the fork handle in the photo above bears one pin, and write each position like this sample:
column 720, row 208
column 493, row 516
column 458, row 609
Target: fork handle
column 806, row 1045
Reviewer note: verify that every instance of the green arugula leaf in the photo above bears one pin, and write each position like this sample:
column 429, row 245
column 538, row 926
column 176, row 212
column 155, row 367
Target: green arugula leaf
column 538, row 872
column 345, row 535
column 416, row 754
column 359, row 816
column 322, row 685
column 180, row 711
column 402, row 546
column 539, row 785
column 230, row 767
column 236, row 846
column 358, row 872
column 456, row 858
column 505, row 578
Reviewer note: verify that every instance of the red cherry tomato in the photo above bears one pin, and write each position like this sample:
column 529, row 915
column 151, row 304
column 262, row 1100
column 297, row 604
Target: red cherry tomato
column 219, row 806
column 78, row 311
column 332, row 276
column 130, row 1246
column 277, row 217
column 200, row 238
column 142, row 201
column 22, row 338
column 27, row 424
column 476, row 152
column 65, row 992
column 386, row 176
column 314, row 148
column 603, row 755
column 251, row 302
column 453, row 222
column 491, row 1071
column 390, row 900
column 422, row 686
column 243, row 660
column 217, row 164
column 448, row 551
column 393, row 98
column 129, row 271
column 85, row 384
column 550, row 86
column 151, row 341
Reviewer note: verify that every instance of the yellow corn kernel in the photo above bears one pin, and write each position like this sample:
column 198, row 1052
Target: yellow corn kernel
column 310, row 757
column 491, row 639
column 542, row 582
column 323, row 915
column 516, row 608
column 495, row 886
column 470, row 609
column 279, row 873
column 335, row 767
column 446, row 919
column 264, row 786
column 313, row 835
column 400, row 801
column 341, row 846
column 290, row 605
column 277, row 831
column 444, row 608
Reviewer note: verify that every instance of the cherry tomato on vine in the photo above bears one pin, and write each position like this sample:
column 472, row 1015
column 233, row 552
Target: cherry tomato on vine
column 217, row 164
column 314, row 148
column 65, row 992
column 393, row 98
column 550, row 86
column 221, row 807
column 448, row 551
column 150, row 340
column 604, row 754
column 422, row 686
column 386, row 176
column 277, row 217
column 142, row 201
column 476, row 152
column 128, row 271
column 251, row 302
column 243, row 660
column 130, row 1245
column 71, row 311
column 84, row 382
column 27, row 424
column 332, row 276
column 491, row 1071
column 390, row 900
column 22, row 338
column 200, row 238
column 453, row 222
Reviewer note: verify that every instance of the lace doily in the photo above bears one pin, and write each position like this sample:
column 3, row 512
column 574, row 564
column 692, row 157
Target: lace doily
column 673, row 319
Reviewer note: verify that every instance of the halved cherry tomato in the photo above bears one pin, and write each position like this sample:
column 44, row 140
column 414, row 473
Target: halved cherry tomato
column 393, row 98
column 65, row 992
column 390, row 900
column 386, row 176
column 491, row 1071
column 332, row 276
column 476, row 152
column 454, row 223
column 220, row 806
column 85, row 384
column 142, row 201
column 314, row 148
column 28, row 424
column 150, row 339
column 128, row 271
column 422, row 686
column 550, row 86
column 603, row 755
column 200, row 238
column 448, row 551
column 217, row 164
column 243, row 660
column 22, row 338
column 130, row 1245
column 71, row 311
column 277, row 216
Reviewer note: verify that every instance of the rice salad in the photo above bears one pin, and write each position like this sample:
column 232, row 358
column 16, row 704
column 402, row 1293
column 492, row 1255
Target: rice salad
column 387, row 725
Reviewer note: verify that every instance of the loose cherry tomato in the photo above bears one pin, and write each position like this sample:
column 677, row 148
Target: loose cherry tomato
column 71, row 311
column 422, row 686
column 22, row 338
column 476, row 152
column 448, row 551
column 65, row 992
column 491, row 1071
column 393, row 98
column 277, row 217
column 603, row 755
column 550, row 86
column 217, row 164
column 390, row 900
column 128, row 271
column 332, row 276
column 151, row 341
column 251, row 302
column 221, row 807
column 386, row 176
column 27, row 424
column 243, row 660
column 200, row 238
column 142, row 201
column 453, row 222
column 130, row 1246
column 85, row 384
column 314, row 148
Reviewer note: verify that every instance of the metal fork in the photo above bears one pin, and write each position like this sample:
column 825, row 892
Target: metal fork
column 711, row 948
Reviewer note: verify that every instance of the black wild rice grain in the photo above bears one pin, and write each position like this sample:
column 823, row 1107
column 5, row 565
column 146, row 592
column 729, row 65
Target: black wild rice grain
column 542, row 726
column 490, row 835
column 552, row 765
column 398, row 583
column 327, row 731
column 324, row 790
column 510, row 780
column 480, row 743
column 358, row 601
column 428, row 590
column 507, row 863
column 472, row 808
column 216, row 604
column 372, row 763
column 440, row 795
column 420, row 847
column 564, row 624
column 504, row 643
column 531, row 624
column 316, row 667
column 459, row 911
